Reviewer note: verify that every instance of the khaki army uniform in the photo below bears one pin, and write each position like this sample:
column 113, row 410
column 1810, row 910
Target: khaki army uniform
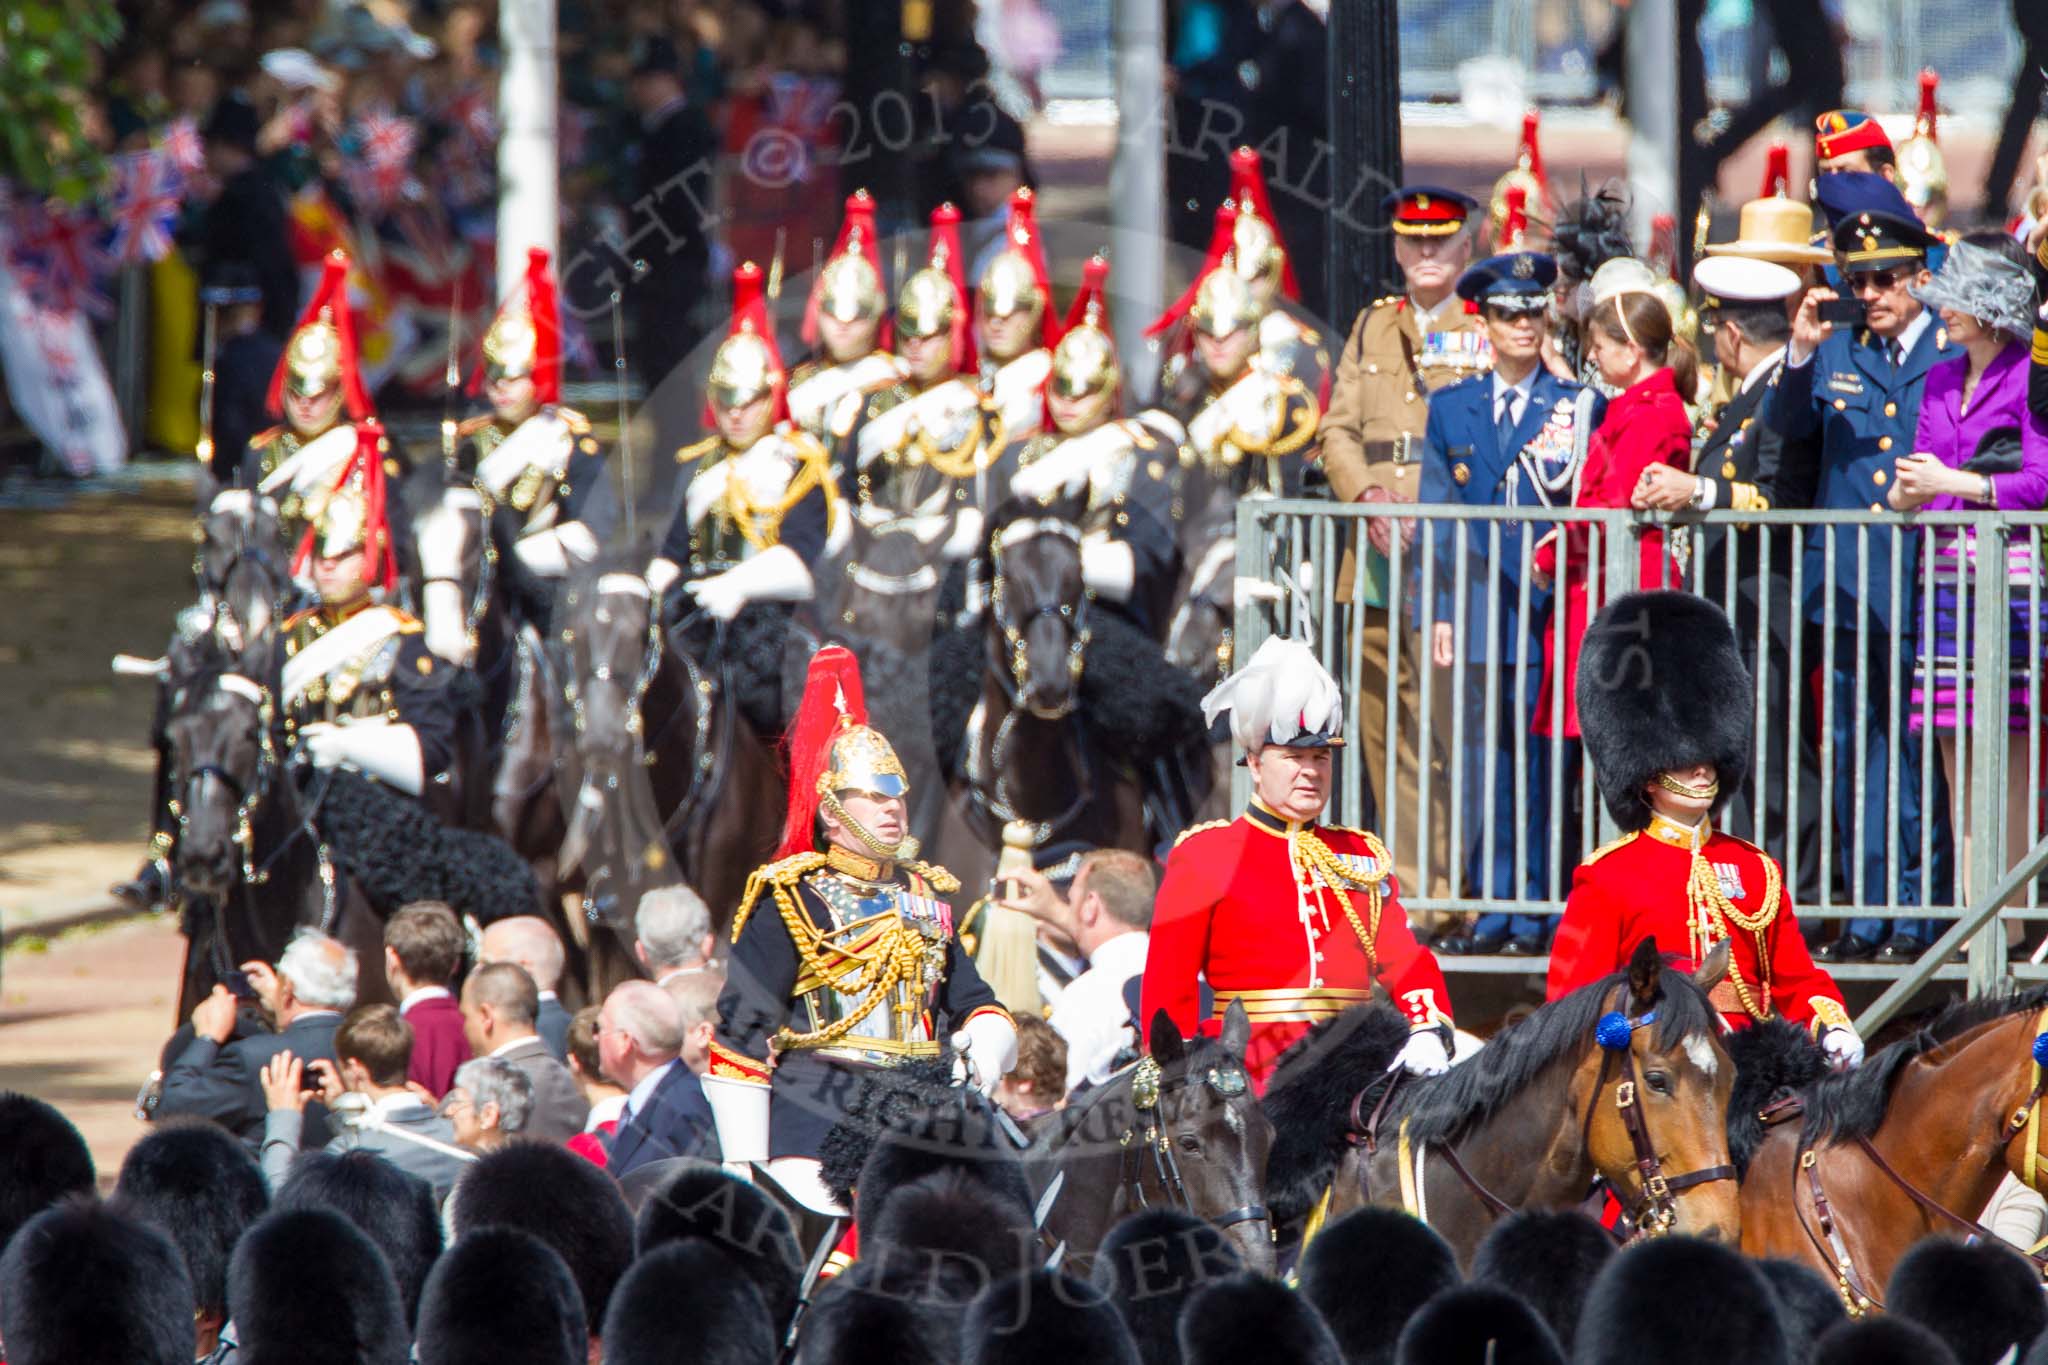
column 1372, row 439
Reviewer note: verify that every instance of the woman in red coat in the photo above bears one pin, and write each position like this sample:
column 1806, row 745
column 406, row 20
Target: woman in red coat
column 1632, row 341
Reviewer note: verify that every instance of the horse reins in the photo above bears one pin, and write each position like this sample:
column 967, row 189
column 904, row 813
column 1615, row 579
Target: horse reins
column 1857, row 1296
column 1148, row 1085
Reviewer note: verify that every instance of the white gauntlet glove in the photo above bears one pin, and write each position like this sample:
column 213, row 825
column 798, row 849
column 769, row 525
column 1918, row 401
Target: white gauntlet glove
column 988, row 1044
column 1424, row 1054
column 774, row 575
column 388, row 752
column 1843, row 1047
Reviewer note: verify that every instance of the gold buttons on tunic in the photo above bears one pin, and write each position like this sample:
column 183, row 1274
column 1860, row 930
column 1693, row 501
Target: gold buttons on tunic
column 1884, row 443
column 1840, row 404
column 1462, row 473
column 1877, row 477
column 1891, row 409
column 1728, row 470
column 1877, row 507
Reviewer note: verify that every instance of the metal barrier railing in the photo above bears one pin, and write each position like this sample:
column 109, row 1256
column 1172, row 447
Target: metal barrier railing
column 1897, row 661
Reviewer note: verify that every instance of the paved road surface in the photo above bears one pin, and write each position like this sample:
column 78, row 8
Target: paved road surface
column 81, row 1024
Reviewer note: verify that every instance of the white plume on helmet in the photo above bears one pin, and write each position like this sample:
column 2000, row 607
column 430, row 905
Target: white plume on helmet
column 1283, row 696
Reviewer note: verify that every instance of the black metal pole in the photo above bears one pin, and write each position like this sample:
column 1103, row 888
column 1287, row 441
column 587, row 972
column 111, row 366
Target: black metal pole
column 1365, row 151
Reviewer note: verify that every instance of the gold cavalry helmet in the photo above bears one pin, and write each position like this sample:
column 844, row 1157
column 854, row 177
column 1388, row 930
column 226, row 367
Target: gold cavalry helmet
column 746, row 365
column 833, row 751
column 320, row 354
column 850, row 290
column 1010, row 286
column 1255, row 249
column 1923, row 170
column 927, row 304
column 313, row 359
column 1224, row 303
column 1084, row 362
column 861, row 759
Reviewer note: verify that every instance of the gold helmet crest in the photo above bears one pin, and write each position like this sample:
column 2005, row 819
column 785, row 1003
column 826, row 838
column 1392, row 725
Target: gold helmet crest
column 1085, row 361
column 1224, row 303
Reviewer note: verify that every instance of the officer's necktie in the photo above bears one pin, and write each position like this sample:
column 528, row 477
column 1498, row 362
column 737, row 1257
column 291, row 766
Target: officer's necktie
column 1504, row 423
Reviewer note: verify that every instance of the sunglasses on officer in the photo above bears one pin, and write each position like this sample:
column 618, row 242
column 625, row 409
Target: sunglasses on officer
column 1516, row 307
column 1876, row 281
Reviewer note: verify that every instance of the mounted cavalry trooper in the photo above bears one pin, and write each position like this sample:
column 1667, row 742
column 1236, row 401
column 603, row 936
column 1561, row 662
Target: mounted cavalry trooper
column 529, row 453
column 1513, row 438
column 1017, row 326
column 1224, row 913
column 1291, row 341
column 317, row 380
column 916, row 459
column 758, row 508
column 844, row 954
column 843, row 319
column 1122, row 465
column 1668, row 712
column 360, row 687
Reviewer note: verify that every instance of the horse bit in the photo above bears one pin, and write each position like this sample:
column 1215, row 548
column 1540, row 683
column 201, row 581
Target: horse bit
column 1148, row 1085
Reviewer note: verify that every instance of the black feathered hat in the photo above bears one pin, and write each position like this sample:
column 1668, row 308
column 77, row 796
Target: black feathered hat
column 958, row 1131
column 1883, row 1341
column 393, row 1208
column 1726, row 1312
column 560, row 1198
column 500, row 1296
column 688, row 1292
column 1807, row 1302
column 1401, row 1257
column 1979, row 1298
column 1662, row 685
column 860, row 1318
column 307, row 1287
column 1549, row 1259
column 198, row 1184
column 1151, row 1264
column 951, row 1233
column 1772, row 1059
column 46, row 1160
column 702, row 1204
column 80, row 1282
column 1249, row 1317
column 1476, row 1324
column 1044, row 1315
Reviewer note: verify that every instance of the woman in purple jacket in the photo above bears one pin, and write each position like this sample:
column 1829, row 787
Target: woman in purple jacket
column 1978, row 447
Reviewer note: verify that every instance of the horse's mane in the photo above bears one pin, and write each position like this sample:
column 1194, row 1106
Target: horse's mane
column 1072, row 1120
column 1316, row 1080
column 1849, row 1105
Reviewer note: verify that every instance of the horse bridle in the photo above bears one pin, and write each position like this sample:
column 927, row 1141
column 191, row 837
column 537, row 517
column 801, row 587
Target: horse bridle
column 486, row 573
column 1857, row 1296
column 1018, row 677
column 1148, row 1136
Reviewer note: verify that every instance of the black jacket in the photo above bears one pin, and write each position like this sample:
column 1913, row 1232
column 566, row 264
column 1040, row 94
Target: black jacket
column 223, row 1082
column 676, row 1122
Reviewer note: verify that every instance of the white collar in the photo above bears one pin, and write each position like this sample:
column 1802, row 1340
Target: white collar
column 674, row 972
column 422, row 994
column 604, row 1110
column 1525, row 386
column 503, row 1048
column 1425, row 318
column 1123, row 955
column 399, row 1102
column 637, row 1098
column 1763, row 369
column 1910, row 338
column 547, row 995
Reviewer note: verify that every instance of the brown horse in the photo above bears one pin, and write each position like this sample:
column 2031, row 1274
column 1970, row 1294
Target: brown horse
column 1913, row 1142
column 1623, row 1081
column 1179, row 1128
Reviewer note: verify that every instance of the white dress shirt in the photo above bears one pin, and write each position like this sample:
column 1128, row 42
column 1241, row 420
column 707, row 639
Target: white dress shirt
column 1091, row 1014
column 423, row 993
column 641, row 1095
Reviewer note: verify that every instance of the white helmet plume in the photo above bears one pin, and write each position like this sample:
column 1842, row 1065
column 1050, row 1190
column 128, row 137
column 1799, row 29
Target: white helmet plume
column 1283, row 696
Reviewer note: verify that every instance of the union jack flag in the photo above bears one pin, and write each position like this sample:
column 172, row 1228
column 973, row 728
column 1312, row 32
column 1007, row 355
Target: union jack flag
column 184, row 147
column 145, row 203
column 386, row 143
column 56, row 260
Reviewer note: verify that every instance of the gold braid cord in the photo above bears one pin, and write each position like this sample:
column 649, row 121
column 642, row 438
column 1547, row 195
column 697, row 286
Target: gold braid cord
column 760, row 523
column 1284, row 439
column 1338, row 877
column 1714, row 917
column 971, row 457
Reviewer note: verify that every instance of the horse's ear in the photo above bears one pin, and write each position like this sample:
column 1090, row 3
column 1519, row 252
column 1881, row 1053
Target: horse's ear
column 1710, row 972
column 1645, row 969
column 1237, row 1029
column 1165, row 1043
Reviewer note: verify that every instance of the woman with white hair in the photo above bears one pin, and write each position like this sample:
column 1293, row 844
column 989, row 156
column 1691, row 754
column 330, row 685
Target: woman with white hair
column 489, row 1103
column 1977, row 447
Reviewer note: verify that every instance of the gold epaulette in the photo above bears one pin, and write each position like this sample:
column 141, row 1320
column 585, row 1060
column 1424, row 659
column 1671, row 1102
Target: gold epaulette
column 1192, row 830
column 1601, row 852
column 699, row 450
column 942, row 881
column 267, row 436
column 299, row 618
column 1383, row 302
column 470, row 426
column 408, row 624
column 784, row 872
column 574, row 420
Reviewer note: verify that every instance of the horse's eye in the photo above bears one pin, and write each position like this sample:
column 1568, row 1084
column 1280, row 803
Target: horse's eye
column 1190, row 1144
column 1657, row 1081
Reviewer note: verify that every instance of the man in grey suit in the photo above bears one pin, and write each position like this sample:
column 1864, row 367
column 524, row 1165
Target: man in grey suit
column 213, row 1074
column 369, row 1096
column 499, row 1006
column 533, row 943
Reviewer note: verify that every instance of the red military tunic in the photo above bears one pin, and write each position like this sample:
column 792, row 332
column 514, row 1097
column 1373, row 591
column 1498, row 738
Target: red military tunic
column 1641, row 886
column 1249, row 904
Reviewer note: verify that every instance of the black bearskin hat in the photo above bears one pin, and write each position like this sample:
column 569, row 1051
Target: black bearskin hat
column 46, row 1160
column 1476, row 1324
column 1151, row 1264
column 1249, row 1317
column 198, row 1184
column 1807, row 1302
column 1043, row 1315
column 953, row 1229
column 307, row 1288
column 80, row 1282
column 500, row 1296
column 1401, row 1257
column 1661, row 686
column 1726, row 1312
column 861, row 1318
column 688, row 1292
column 560, row 1198
column 1980, row 1299
column 1549, row 1260
column 393, row 1208
column 1883, row 1341
column 904, row 1122
column 702, row 1204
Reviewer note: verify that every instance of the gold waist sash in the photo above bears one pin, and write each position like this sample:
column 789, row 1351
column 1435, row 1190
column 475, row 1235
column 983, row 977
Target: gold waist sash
column 1301, row 1005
